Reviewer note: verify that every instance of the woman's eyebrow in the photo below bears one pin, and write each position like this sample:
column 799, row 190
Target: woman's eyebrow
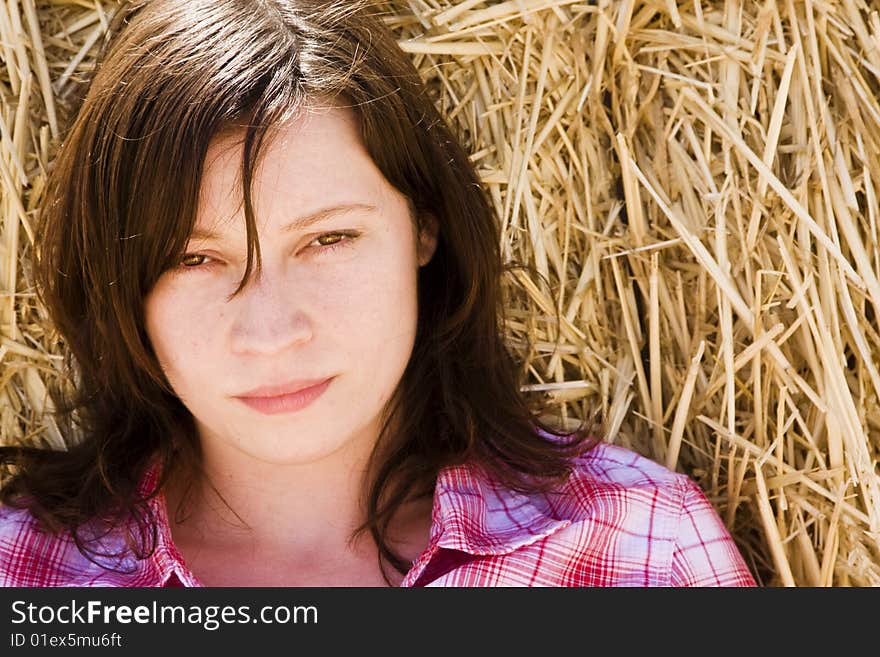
column 300, row 223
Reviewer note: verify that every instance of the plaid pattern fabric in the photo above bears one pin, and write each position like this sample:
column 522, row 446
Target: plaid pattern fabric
column 619, row 520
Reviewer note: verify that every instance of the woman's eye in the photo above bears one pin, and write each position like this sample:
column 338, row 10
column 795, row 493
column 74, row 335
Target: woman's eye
column 193, row 260
column 332, row 241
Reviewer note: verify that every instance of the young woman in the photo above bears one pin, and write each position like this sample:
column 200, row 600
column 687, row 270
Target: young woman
column 279, row 283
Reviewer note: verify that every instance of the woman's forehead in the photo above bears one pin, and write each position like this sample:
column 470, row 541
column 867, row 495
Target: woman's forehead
column 303, row 162
column 316, row 141
column 319, row 114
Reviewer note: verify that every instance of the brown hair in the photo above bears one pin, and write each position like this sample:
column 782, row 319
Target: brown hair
column 121, row 203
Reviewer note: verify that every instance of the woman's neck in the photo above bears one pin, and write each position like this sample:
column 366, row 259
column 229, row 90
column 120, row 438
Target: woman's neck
column 295, row 518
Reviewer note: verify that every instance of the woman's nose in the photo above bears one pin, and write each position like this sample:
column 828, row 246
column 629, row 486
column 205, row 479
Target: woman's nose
column 269, row 316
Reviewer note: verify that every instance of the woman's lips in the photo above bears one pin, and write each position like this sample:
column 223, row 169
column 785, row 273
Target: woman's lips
column 289, row 403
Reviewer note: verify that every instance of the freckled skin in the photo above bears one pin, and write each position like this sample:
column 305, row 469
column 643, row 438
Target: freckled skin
column 349, row 312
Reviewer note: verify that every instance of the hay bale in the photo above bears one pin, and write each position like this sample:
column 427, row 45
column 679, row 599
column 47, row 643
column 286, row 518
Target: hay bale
column 697, row 187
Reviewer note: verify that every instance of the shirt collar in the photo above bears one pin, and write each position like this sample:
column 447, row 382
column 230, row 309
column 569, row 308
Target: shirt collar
column 476, row 515
column 166, row 560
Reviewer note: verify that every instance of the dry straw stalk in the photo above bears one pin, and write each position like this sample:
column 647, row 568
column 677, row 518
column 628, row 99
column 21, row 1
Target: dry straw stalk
column 696, row 184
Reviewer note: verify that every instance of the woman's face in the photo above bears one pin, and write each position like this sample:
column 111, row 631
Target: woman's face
column 335, row 300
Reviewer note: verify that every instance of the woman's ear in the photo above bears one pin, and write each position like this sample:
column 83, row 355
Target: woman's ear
column 428, row 235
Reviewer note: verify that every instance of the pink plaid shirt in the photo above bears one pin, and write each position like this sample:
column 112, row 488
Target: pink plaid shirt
column 619, row 520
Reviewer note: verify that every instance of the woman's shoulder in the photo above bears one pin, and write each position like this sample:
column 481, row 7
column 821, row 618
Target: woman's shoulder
column 33, row 556
column 618, row 466
column 25, row 548
column 653, row 510
column 606, row 479
column 633, row 492
column 625, row 488
column 608, row 486
column 618, row 519
column 641, row 510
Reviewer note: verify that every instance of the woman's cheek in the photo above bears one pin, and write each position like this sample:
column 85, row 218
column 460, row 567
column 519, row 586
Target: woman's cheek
column 177, row 330
column 347, row 291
